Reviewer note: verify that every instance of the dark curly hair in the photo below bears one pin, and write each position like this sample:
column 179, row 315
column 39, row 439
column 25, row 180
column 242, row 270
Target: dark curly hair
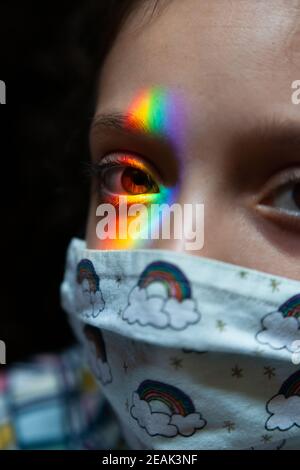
column 52, row 61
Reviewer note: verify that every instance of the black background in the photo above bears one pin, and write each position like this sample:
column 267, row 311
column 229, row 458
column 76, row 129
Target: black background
column 44, row 190
column 51, row 55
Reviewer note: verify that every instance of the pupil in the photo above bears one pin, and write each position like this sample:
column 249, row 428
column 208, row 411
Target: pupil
column 139, row 178
column 296, row 195
column 136, row 181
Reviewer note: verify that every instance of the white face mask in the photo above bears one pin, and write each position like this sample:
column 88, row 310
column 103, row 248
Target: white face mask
column 192, row 353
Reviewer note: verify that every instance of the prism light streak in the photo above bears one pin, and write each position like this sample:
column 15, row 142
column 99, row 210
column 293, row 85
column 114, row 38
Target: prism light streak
column 165, row 196
column 158, row 112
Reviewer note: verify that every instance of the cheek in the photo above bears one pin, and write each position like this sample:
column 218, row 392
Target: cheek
column 91, row 236
column 115, row 224
column 231, row 234
column 237, row 237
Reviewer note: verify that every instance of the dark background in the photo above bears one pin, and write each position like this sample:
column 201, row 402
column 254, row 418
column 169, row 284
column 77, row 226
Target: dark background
column 51, row 55
column 49, row 69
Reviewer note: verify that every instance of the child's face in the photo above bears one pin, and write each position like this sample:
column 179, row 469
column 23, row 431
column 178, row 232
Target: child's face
column 233, row 62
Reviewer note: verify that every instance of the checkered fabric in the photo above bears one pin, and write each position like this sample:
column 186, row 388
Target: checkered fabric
column 53, row 402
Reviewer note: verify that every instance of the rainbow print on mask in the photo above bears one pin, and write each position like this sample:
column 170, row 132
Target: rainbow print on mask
column 291, row 308
column 89, row 299
column 174, row 280
column 177, row 401
column 86, row 272
column 96, row 353
column 281, row 328
column 94, row 335
column 164, row 410
column 162, row 298
column 284, row 407
column 291, row 386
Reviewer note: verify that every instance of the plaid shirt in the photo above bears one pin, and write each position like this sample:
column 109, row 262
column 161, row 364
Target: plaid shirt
column 53, row 402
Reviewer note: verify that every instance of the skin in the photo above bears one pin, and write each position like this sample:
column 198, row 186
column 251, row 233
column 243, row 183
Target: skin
column 233, row 62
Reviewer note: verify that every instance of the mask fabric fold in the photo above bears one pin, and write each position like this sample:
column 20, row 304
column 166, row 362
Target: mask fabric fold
column 192, row 353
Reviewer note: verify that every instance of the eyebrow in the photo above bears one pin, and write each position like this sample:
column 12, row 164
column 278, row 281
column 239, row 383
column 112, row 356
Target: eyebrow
column 278, row 135
column 109, row 120
column 271, row 143
column 117, row 122
column 283, row 134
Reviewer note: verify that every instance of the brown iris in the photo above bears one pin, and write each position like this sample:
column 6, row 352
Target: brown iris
column 135, row 181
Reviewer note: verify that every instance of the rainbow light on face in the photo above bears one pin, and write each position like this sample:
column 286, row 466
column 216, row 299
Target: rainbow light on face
column 158, row 112
column 165, row 196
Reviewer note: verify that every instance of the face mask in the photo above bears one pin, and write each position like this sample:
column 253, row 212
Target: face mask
column 192, row 353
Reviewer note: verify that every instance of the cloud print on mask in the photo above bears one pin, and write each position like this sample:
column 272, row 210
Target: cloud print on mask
column 89, row 299
column 164, row 410
column 162, row 299
column 282, row 327
column 284, row 407
column 97, row 356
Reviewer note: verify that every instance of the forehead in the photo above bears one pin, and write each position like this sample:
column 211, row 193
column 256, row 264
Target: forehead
column 218, row 53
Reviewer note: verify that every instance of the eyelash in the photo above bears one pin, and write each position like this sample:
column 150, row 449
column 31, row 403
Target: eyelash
column 121, row 160
column 281, row 181
column 276, row 186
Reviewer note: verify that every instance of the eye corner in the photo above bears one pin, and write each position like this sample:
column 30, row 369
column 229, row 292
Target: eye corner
column 121, row 173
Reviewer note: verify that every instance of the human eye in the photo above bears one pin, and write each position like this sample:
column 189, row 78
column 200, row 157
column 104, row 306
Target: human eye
column 125, row 174
column 281, row 198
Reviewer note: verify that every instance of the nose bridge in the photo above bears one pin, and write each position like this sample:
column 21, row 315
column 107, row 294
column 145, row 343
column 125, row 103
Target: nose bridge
column 185, row 219
column 206, row 215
